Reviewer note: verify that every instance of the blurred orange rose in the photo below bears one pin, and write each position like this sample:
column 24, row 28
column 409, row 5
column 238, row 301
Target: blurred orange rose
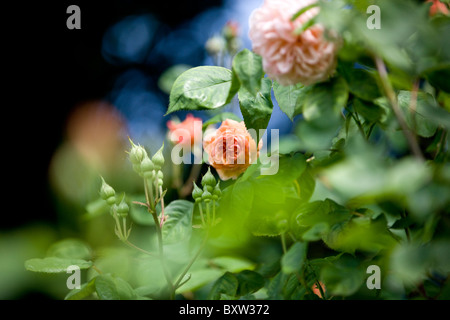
column 316, row 290
column 183, row 132
column 437, row 7
column 231, row 149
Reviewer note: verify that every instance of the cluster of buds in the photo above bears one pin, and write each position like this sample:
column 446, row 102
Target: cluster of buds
column 147, row 168
column 227, row 42
column 210, row 193
column 117, row 211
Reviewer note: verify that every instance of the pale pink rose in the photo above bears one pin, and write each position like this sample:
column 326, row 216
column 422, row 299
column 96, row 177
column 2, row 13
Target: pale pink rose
column 183, row 132
column 231, row 149
column 287, row 57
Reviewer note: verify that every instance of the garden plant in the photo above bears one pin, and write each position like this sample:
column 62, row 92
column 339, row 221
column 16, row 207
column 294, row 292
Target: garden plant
column 354, row 204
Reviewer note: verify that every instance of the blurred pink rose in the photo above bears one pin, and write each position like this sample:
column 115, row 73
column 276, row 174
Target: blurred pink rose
column 183, row 132
column 231, row 149
column 438, row 7
column 287, row 57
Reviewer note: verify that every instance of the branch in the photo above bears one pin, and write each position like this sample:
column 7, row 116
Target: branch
column 390, row 94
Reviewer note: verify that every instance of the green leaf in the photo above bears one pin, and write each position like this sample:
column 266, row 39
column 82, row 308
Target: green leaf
column 256, row 108
column 417, row 119
column 109, row 287
column 303, row 10
column 95, row 208
column 316, row 232
column 85, row 290
column 310, row 214
column 370, row 111
column 221, row 117
column 232, row 264
column 227, row 284
column 438, row 77
column 206, row 87
column 306, row 184
column 249, row 282
column 360, row 82
column 360, row 233
column 276, row 286
column 344, row 277
column 325, row 97
column 235, row 205
column 293, row 260
column 55, row 265
column 248, row 68
column 287, row 98
column 70, row 249
column 200, row 278
column 178, row 226
column 105, row 287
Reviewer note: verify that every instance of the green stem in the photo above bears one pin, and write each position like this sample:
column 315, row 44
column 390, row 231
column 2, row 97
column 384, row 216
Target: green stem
column 186, row 269
column 201, row 213
column 283, row 242
column 370, row 130
column 149, row 194
column 214, row 213
column 407, row 231
column 390, row 94
column 358, row 123
column 152, row 205
column 163, row 218
column 161, row 256
column 137, row 248
column 208, row 217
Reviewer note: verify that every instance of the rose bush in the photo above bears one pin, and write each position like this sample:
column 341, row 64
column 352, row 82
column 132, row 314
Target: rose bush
column 362, row 182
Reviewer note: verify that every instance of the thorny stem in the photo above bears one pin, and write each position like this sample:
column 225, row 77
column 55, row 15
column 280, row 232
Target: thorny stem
column 390, row 94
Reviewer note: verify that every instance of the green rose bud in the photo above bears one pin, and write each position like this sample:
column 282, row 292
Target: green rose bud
column 137, row 153
column 147, row 164
column 113, row 209
column 206, row 196
column 197, row 193
column 122, row 208
column 158, row 158
column 208, row 179
column 217, row 192
column 107, row 193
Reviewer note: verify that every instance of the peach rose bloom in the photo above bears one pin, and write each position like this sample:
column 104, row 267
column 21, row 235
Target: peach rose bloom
column 287, row 57
column 183, row 132
column 231, row 149
column 437, row 7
